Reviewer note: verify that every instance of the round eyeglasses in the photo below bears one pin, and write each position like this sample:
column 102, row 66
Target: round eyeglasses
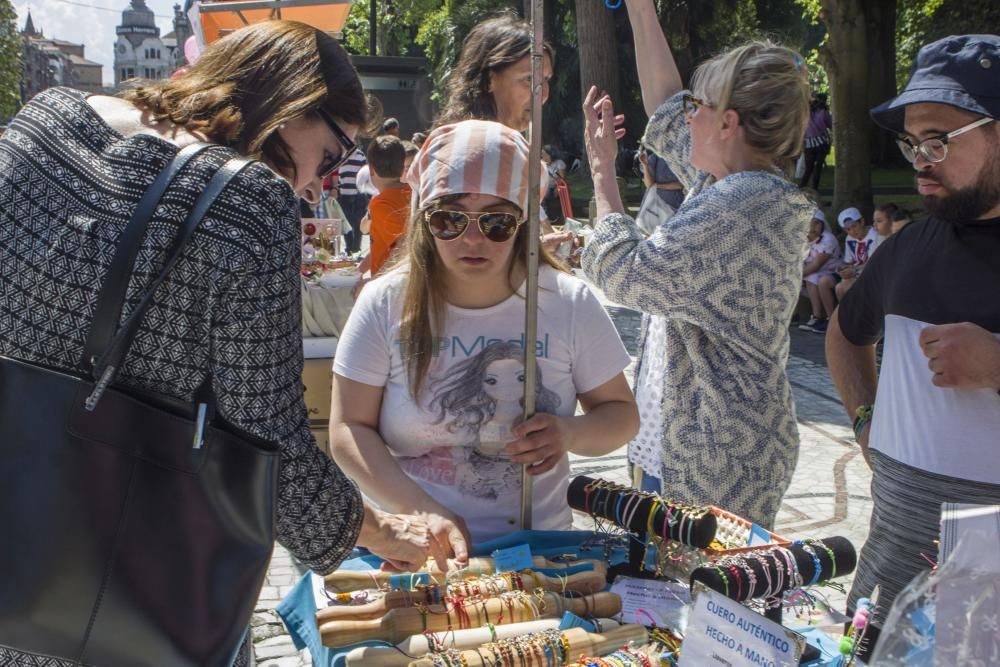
column 935, row 149
column 498, row 226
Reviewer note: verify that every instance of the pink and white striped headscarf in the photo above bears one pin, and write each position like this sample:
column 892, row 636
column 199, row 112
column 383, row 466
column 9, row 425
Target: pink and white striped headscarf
column 472, row 157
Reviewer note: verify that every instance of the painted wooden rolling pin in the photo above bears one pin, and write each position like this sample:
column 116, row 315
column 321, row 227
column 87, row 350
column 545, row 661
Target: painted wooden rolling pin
column 345, row 581
column 490, row 586
column 384, row 656
column 580, row 642
column 397, row 624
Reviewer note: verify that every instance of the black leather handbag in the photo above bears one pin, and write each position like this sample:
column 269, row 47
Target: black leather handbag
column 135, row 532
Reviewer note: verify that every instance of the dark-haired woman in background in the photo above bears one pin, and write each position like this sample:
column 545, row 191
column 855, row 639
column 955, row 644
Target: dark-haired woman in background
column 492, row 81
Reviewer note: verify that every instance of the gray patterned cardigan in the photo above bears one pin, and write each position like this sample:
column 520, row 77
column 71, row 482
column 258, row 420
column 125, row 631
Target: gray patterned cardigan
column 724, row 272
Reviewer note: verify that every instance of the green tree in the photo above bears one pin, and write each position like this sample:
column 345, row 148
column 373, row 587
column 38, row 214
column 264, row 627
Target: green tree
column 10, row 61
column 845, row 56
column 921, row 22
column 398, row 23
column 443, row 31
column 880, row 18
column 699, row 30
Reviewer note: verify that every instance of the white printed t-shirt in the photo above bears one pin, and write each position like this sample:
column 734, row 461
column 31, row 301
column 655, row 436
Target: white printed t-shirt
column 448, row 443
column 826, row 244
column 856, row 253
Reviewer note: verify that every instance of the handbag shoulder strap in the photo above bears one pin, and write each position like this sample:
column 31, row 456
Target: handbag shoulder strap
column 108, row 361
column 108, row 312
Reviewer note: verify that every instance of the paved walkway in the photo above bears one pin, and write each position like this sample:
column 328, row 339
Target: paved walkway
column 828, row 496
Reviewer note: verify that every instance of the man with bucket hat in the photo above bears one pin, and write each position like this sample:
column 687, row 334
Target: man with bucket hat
column 930, row 430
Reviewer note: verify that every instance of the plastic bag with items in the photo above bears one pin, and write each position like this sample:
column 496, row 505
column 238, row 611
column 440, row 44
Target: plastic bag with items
column 950, row 616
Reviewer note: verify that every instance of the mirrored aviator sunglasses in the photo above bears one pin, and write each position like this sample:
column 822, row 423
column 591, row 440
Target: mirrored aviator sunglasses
column 498, row 226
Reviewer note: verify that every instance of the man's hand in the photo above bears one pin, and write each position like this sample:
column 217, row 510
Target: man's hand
column 962, row 356
column 847, row 272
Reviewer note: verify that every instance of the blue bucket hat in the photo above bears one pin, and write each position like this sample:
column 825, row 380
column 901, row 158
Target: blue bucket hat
column 962, row 71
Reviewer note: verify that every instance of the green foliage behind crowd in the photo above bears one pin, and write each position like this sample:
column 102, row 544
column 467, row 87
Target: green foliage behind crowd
column 697, row 30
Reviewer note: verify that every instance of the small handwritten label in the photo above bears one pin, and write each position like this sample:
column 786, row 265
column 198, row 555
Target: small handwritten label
column 648, row 602
column 513, row 559
column 758, row 536
column 571, row 620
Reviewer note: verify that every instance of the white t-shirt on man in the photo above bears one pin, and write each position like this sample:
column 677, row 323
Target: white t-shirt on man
column 449, row 442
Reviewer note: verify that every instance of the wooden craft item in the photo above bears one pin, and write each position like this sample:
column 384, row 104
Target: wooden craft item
column 384, row 656
column 397, row 624
column 588, row 582
column 345, row 581
column 581, row 642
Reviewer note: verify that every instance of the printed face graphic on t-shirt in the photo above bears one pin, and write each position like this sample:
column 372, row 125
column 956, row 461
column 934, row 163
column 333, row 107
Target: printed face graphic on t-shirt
column 504, row 380
column 479, row 400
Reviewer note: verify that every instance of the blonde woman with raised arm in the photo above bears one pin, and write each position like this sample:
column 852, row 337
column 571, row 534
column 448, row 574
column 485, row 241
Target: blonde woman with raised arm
column 718, row 281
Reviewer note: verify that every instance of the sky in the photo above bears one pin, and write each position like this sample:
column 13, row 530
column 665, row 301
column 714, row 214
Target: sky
column 89, row 22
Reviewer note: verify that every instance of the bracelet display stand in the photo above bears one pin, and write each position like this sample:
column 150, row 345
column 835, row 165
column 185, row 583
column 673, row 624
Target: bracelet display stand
column 397, row 624
column 488, row 587
column 578, row 641
column 630, row 509
column 811, row 561
column 399, row 656
column 345, row 581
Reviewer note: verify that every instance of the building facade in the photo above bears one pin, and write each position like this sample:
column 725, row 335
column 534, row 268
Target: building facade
column 139, row 50
column 54, row 62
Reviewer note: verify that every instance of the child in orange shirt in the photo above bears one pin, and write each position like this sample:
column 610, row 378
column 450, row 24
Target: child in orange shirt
column 390, row 208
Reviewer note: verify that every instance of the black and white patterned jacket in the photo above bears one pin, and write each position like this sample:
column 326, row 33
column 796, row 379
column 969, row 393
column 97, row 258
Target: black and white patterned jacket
column 230, row 308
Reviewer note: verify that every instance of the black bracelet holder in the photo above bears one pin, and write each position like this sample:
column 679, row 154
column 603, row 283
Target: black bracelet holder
column 844, row 556
column 700, row 531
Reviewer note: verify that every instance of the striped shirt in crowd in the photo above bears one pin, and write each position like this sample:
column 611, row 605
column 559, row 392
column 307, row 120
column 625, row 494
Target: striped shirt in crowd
column 349, row 173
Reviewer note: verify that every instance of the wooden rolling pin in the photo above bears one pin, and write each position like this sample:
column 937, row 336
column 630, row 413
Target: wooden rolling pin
column 384, row 656
column 397, row 624
column 345, row 581
column 581, row 642
column 588, row 582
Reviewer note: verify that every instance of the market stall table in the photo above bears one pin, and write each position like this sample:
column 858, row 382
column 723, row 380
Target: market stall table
column 298, row 610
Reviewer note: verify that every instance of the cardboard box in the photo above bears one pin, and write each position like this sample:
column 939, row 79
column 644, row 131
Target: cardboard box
column 317, row 376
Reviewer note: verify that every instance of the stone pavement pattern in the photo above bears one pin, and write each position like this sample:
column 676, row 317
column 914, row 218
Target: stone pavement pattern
column 829, row 494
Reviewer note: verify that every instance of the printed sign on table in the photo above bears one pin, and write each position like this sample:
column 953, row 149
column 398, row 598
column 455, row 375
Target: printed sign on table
column 724, row 633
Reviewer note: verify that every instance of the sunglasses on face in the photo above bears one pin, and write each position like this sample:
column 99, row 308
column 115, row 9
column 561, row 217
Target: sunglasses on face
column 498, row 226
column 935, row 149
column 347, row 147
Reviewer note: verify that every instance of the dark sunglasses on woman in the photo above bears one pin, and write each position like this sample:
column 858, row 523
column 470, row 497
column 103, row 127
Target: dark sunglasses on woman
column 497, row 226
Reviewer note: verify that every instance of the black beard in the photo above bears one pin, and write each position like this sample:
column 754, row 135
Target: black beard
column 969, row 203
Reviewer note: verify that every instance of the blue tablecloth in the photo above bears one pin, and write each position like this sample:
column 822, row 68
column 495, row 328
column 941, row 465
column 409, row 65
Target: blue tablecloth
column 298, row 609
